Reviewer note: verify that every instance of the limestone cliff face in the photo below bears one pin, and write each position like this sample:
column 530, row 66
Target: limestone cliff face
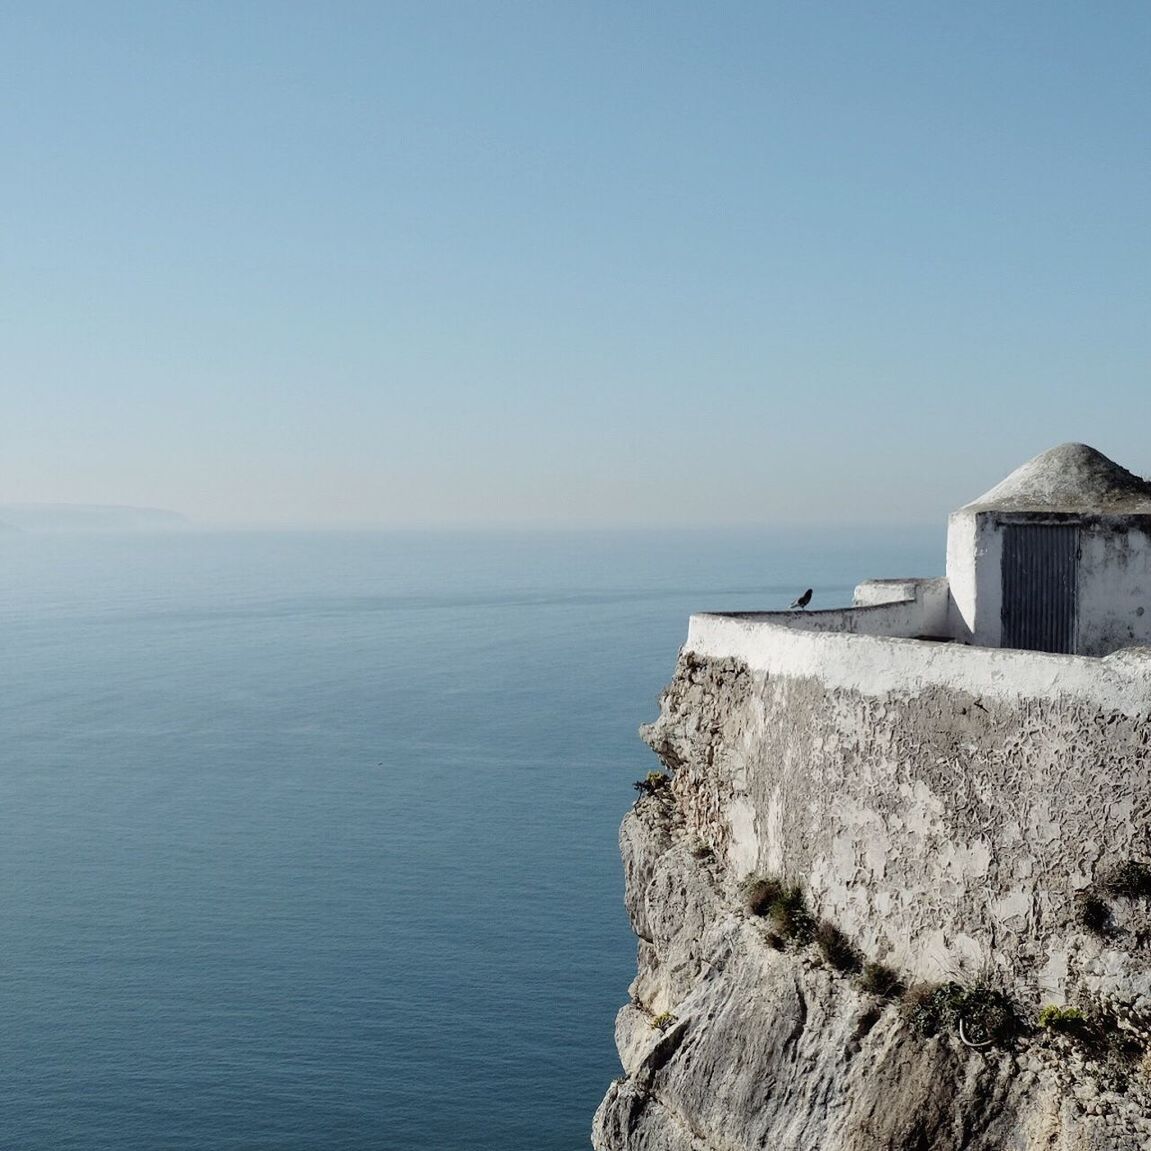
column 920, row 831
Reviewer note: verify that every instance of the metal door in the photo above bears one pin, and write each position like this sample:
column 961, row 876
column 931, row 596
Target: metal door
column 1040, row 585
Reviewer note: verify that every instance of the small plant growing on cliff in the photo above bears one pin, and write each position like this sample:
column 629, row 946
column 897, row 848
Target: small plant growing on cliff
column 1093, row 913
column 1109, row 1043
column 1128, row 880
column 760, row 893
column 790, row 916
column 980, row 1016
column 837, row 948
column 928, row 1006
column 986, row 1016
column 1063, row 1020
column 655, row 782
column 1116, row 1051
column 879, row 979
column 783, row 905
column 663, row 1021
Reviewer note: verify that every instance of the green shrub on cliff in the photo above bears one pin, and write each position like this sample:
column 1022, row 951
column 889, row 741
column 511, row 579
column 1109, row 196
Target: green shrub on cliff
column 928, row 1006
column 1067, row 1020
column 980, row 1016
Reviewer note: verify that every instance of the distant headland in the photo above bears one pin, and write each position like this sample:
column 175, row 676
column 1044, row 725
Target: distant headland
column 87, row 518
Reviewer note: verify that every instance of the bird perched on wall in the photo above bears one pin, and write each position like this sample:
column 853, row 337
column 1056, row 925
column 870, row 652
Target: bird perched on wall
column 803, row 600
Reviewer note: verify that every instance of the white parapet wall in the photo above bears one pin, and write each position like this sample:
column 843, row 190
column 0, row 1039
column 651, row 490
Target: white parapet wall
column 927, row 603
column 908, row 608
column 878, row 591
column 849, row 650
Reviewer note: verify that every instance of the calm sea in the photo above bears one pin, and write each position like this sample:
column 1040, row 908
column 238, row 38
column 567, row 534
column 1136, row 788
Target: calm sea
column 309, row 840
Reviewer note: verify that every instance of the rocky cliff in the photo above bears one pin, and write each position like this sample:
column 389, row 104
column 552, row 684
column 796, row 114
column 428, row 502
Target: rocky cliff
column 878, row 922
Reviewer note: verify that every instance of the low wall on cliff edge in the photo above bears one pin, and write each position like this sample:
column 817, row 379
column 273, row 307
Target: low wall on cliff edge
column 873, row 657
column 945, row 806
column 908, row 609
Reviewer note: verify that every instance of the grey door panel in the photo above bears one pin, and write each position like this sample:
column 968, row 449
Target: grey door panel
column 1040, row 585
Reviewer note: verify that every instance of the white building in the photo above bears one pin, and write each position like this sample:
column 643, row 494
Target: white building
column 1055, row 558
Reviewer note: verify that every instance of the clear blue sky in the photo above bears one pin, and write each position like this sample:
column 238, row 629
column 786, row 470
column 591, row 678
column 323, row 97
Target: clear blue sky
column 584, row 262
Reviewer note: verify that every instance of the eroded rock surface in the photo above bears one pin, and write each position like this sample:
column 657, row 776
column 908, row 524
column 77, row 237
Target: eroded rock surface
column 735, row 1039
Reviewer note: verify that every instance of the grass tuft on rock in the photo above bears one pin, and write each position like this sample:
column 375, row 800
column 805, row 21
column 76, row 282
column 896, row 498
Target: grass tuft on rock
column 790, row 917
column 837, row 949
column 1128, row 880
column 760, row 893
column 783, row 905
column 879, row 979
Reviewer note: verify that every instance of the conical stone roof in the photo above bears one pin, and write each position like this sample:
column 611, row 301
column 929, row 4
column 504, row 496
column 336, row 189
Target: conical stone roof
column 1069, row 478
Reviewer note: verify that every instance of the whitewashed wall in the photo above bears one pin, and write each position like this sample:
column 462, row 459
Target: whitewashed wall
column 1114, row 589
column 974, row 576
column 875, row 664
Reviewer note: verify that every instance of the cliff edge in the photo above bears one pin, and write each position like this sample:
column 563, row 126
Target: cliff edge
column 890, row 919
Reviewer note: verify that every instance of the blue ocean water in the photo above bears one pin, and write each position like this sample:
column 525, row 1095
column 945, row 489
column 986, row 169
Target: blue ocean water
column 309, row 840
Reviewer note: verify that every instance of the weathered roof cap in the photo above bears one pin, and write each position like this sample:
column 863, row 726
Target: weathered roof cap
column 1069, row 478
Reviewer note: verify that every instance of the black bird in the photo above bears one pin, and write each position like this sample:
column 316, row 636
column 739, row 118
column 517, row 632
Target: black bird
column 803, row 600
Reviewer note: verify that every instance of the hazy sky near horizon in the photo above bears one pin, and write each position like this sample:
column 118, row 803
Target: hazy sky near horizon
column 584, row 262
